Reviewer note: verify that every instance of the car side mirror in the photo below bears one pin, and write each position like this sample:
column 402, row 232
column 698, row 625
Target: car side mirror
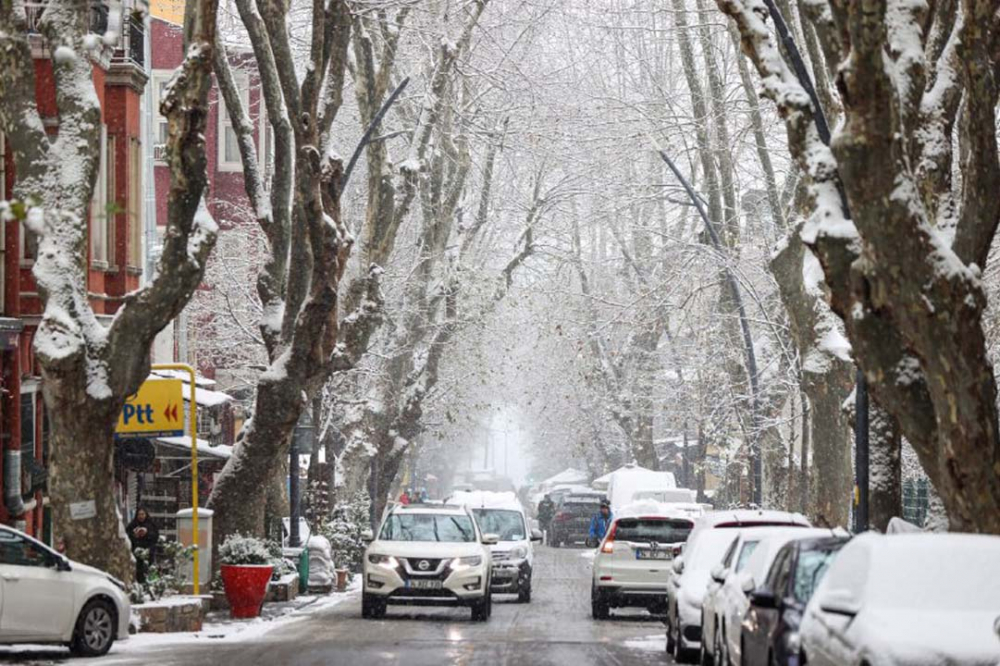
column 367, row 536
column 839, row 602
column 536, row 534
column 763, row 599
column 678, row 565
column 491, row 539
column 719, row 573
column 746, row 583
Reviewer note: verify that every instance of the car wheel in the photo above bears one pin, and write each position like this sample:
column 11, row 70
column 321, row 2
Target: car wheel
column 95, row 629
column 481, row 609
column 599, row 609
column 372, row 607
column 524, row 592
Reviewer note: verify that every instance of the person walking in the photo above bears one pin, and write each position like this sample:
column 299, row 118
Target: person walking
column 546, row 510
column 404, row 498
column 599, row 524
column 143, row 533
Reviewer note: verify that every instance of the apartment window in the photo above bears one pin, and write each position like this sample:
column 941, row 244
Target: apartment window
column 160, row 79
column 134, row 205
column 102, row 208
column 229, row 149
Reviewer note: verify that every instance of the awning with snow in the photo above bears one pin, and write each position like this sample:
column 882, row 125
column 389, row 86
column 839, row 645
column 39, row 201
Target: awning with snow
column 183, row 443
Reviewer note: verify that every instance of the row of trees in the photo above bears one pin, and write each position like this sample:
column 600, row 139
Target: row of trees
column 507, row 231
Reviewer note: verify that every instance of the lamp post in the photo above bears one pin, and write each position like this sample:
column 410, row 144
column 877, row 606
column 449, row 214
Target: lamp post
column 302, row 443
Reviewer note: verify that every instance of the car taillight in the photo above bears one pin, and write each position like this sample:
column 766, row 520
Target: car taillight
column 609, row 540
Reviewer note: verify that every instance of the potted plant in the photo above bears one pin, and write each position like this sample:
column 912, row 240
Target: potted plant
column 246, row 567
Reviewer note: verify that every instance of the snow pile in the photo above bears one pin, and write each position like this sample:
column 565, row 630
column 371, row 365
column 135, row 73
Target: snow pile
column 486, row 499
column 321, row 571
column 648, row 507
column 653, row 643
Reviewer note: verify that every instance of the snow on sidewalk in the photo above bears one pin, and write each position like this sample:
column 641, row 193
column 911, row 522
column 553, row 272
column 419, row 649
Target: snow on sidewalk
column 218, row 628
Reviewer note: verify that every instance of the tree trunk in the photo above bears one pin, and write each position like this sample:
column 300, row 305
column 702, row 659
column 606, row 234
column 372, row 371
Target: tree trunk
column 885, row 499
column 81, row 468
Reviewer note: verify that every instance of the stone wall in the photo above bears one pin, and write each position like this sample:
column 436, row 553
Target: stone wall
column 173, row 614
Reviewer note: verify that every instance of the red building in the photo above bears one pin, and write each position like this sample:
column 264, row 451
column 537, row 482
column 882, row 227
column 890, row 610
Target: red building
column 115, row 253
column 226, row 197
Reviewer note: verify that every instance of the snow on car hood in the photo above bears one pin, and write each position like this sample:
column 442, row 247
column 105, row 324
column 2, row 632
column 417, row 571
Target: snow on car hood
column 934, row 638
column 429, row 549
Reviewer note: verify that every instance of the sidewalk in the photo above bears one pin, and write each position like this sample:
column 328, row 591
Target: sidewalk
column 218, row 628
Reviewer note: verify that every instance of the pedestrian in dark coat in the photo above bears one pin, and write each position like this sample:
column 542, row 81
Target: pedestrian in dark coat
column 143, row 533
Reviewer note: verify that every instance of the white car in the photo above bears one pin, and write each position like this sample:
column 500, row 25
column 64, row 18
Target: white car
column 47, row 598
column 690, row 573
column 726, row 602
column 632, row 562
column 501, row 513
column 911, row 599
column 428, row 555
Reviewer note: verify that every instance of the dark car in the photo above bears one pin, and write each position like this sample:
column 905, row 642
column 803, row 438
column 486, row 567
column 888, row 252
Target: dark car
column 571, row 523
column 771, row 626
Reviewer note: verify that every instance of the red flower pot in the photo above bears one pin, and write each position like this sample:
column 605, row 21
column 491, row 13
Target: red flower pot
column 246, row 587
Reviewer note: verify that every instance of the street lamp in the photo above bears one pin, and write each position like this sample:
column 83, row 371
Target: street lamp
column 302, row 443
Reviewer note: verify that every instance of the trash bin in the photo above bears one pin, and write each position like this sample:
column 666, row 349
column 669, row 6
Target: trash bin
column 303, row 571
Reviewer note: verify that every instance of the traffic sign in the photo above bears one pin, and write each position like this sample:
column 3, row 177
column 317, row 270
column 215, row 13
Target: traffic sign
column 156, row 410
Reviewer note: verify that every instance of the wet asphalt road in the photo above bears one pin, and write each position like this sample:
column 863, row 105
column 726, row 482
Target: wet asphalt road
column 554, row 629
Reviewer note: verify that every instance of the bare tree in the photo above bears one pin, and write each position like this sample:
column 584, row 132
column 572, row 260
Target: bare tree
column 89, row 369
column 903, row 272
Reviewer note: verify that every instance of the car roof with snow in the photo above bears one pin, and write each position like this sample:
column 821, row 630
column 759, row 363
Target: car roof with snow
column 486, row 499
column 751, row 517
column 447, row 509
column 653, row 509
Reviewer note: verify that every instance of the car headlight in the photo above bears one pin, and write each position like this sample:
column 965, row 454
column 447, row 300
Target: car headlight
column 386, row 560
column 117, row 583
column 793, row 642
column 518, row 553
column 466, row 562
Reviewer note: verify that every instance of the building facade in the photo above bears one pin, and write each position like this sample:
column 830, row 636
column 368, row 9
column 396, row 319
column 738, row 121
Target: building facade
column 115, row 249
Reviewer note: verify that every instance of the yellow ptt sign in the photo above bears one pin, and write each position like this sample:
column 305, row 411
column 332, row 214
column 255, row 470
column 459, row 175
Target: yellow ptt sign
column 156, row 410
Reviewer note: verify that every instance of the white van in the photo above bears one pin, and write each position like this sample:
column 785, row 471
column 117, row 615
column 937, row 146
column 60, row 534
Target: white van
column 501, row 513
column 632, row 479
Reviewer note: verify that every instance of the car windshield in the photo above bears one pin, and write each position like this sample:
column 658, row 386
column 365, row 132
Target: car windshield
column 428, row 527
column 646, row 530
column 581, row 507
column 507, row 524
column 809, row 572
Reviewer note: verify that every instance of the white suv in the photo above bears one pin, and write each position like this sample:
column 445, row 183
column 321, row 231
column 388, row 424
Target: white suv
column 428, row 555
column 632, row 563
column 46, row 598
column 501, row 513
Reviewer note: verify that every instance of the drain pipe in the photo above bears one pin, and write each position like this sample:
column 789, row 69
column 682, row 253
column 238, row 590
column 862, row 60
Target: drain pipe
column 12, row 483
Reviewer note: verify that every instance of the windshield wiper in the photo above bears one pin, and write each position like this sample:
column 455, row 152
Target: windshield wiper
column 465, row 535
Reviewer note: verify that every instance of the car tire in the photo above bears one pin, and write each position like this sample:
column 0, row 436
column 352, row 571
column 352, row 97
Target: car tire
column 95, row 629
column 599, row 608
column 372, row 607
column 524, row 592
column 683, row 655
column 482, row 609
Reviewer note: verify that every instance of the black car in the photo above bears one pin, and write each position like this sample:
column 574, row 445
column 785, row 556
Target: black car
column 771, row 627
column 571, row 523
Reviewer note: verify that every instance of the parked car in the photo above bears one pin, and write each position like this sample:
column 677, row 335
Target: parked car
column 690, row 573
column 427, row 555
column 571, row 522
column 513, row 557
column 909, row 599
column 726, row 600
column 47, row 598
column 632, row 563
column 770, row 632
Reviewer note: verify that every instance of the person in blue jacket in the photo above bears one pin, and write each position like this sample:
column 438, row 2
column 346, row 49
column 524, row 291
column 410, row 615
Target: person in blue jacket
column 599, row 524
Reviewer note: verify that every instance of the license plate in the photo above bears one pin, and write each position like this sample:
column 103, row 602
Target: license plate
column 423, row 584
column 500, row 572
column 652, row 555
